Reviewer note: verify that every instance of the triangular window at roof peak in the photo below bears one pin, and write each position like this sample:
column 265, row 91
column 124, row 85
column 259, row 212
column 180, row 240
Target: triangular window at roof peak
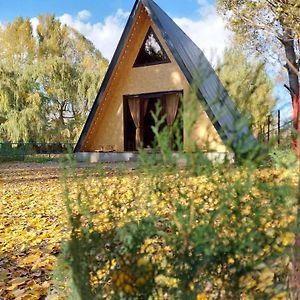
column 151, row 52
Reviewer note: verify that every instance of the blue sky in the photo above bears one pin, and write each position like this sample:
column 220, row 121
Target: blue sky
column 102, row 22
column 99, row 8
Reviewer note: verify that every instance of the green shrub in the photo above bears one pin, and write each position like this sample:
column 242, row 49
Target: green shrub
column 215, row 231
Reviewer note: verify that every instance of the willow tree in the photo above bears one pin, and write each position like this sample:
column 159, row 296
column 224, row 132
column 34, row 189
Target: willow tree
column 248, row 84
column 70, row 71
column 272, row 27
column 21, row 103
column 48, row 80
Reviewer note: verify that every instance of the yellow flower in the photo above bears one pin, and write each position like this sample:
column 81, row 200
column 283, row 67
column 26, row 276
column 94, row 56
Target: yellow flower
column 265, row 279
column 128, row 289
column 231, row 261
column 288, row 239
column 201, row 296
column 247, row 281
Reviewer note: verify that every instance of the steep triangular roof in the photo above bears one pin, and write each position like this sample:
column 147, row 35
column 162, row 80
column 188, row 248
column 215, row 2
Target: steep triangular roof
column 197, row 70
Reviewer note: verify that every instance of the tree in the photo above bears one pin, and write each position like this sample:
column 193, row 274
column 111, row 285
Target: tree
column 248, row 84
column 55, row 72
column 21, row 112
column 272, row 27
column 70, row 73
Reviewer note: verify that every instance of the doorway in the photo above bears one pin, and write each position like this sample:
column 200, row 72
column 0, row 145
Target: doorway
column 138, row 119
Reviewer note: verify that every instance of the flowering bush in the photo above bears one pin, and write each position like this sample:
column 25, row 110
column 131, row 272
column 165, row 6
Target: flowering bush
column 207, row 232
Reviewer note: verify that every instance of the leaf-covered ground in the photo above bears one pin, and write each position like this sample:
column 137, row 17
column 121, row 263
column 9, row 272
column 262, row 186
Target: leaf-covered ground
column 33, row 221
column 30, row 229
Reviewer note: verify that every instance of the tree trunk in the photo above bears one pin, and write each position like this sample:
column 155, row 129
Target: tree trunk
column 296, row 120
column 293, row 70
column 61, row 117
column 294, row 280
column 61, row 114
column 293, row 74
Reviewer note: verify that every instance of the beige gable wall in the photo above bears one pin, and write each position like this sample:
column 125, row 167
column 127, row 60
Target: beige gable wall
column 106, row 132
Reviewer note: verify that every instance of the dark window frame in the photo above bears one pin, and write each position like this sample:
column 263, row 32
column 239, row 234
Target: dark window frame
column 164, row 61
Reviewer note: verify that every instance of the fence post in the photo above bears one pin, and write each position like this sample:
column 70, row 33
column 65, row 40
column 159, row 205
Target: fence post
column 278, row 121
column 269, row 124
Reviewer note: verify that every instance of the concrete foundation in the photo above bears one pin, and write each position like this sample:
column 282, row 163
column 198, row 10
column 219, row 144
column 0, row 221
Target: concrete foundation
column 98, row 157
column 112, row 157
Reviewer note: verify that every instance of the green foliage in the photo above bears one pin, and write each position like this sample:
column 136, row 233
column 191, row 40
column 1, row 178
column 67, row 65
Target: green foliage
column 20, row 100
column 276, row 36
column 48, row 78
column 285, row 158
column 247, row 19
column 247, row 82
column 223, row 233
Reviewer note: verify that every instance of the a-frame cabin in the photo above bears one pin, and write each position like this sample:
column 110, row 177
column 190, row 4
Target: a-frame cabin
column 156, row 61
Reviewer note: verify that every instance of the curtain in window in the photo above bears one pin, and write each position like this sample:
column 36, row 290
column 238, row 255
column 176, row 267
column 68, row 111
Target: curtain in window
column 138, row 108
column 170, row 107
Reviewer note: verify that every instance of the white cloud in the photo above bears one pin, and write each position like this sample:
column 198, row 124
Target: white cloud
column 209, row 32
column 84, row 15
column 105, row 35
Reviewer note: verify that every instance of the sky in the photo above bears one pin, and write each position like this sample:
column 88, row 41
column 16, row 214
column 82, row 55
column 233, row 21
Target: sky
column 102, row 22
column 99, row 8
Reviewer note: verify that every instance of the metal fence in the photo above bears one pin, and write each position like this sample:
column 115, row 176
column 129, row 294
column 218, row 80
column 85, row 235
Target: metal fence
column 21, row 151
column 277, row 132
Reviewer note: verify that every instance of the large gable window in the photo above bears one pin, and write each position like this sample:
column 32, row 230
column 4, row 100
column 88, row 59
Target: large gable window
column 151, row 52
